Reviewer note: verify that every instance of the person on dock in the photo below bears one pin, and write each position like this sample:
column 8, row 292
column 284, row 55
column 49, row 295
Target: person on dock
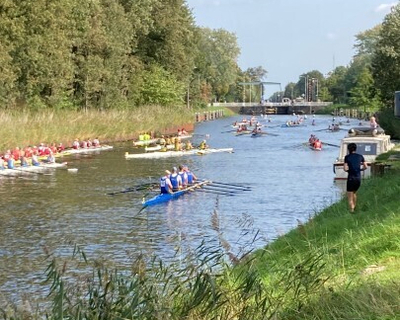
column 175, row 179
column 372, row 123
column 165, row 183
column 354, row 163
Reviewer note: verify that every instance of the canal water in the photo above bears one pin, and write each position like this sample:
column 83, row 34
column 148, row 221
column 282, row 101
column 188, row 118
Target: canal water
column 55, row 211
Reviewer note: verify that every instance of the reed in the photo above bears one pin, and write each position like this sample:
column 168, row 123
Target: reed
column 23, row 128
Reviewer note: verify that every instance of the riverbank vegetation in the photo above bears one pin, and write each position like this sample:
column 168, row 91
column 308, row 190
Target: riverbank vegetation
column 23, row 128
column 336, row 265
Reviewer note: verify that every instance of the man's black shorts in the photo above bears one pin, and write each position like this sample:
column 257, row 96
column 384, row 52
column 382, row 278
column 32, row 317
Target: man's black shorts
column 353, row 184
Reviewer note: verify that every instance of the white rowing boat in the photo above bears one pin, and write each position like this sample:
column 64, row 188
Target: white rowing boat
column 86, row 150
column 158, row 148
column 31, row 169
column 166, row 154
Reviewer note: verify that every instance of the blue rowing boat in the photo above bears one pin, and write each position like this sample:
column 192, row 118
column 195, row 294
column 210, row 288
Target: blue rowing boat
column 165, row 197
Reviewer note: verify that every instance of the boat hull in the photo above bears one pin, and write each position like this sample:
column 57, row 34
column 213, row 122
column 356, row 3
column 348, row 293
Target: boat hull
column 165, row 197
column 166, row 154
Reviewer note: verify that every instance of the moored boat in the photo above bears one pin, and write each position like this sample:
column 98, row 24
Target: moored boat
column 166, row 154
column 165, row 197
column 370, row 143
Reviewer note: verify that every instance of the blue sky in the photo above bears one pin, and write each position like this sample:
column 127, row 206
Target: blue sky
column 291, row 37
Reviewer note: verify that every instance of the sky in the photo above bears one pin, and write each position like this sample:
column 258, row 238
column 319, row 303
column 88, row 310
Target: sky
column 291, row 37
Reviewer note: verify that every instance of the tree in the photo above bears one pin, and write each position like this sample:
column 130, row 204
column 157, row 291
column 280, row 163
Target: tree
column 386, row 57
column 362, row 95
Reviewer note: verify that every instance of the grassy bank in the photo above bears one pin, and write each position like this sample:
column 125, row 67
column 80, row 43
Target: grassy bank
column 22, row 128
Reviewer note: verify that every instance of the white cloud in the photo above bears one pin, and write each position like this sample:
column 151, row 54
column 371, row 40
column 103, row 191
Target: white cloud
column 385, row 7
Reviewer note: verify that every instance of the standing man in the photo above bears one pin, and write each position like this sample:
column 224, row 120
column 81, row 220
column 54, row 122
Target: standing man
column 354, row 163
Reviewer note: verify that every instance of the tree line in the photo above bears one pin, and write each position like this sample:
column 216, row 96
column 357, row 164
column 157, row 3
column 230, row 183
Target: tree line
column 70, row 54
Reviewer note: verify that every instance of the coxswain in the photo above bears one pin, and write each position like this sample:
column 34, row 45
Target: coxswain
column 175, row 179
column 75, row 144
column 165, row 183
column 203, row 145
column 184, row 177
column 190, row 175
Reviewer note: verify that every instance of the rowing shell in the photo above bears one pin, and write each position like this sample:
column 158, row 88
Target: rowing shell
column 165, row 197
column 86, row 150
column 142, row 143
column 31, row 169
column 166, row 154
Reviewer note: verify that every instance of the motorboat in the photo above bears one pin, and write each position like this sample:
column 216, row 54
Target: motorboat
column 370, row 143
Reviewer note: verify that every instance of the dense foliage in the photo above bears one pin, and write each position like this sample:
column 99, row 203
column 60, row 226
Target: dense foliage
column 106, row 54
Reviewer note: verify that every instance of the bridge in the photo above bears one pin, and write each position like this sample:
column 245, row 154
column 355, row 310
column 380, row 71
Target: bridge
column 288, row 107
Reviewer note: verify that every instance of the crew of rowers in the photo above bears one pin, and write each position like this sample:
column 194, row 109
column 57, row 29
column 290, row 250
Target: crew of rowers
column 315, row 142
column 30, row 155
column 176, row 180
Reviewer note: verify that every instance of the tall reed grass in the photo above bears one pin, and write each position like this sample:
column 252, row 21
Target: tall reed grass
column 23, row 128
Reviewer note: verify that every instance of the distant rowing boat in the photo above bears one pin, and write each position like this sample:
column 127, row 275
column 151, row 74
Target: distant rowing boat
column 166, row 154
column 86, row 150
column 165, row 197
column 143, row 143
column 31, row 169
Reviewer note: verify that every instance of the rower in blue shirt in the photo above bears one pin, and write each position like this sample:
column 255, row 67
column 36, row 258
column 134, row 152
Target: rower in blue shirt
column 165, row 183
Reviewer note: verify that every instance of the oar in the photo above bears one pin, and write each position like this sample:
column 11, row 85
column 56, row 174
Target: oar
column 233, row 130
column 140, row 187
column 223, row 188
column 230, row 191
column 216, row 192
column 330, row 144
column 227, row 185
column 240, row 185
